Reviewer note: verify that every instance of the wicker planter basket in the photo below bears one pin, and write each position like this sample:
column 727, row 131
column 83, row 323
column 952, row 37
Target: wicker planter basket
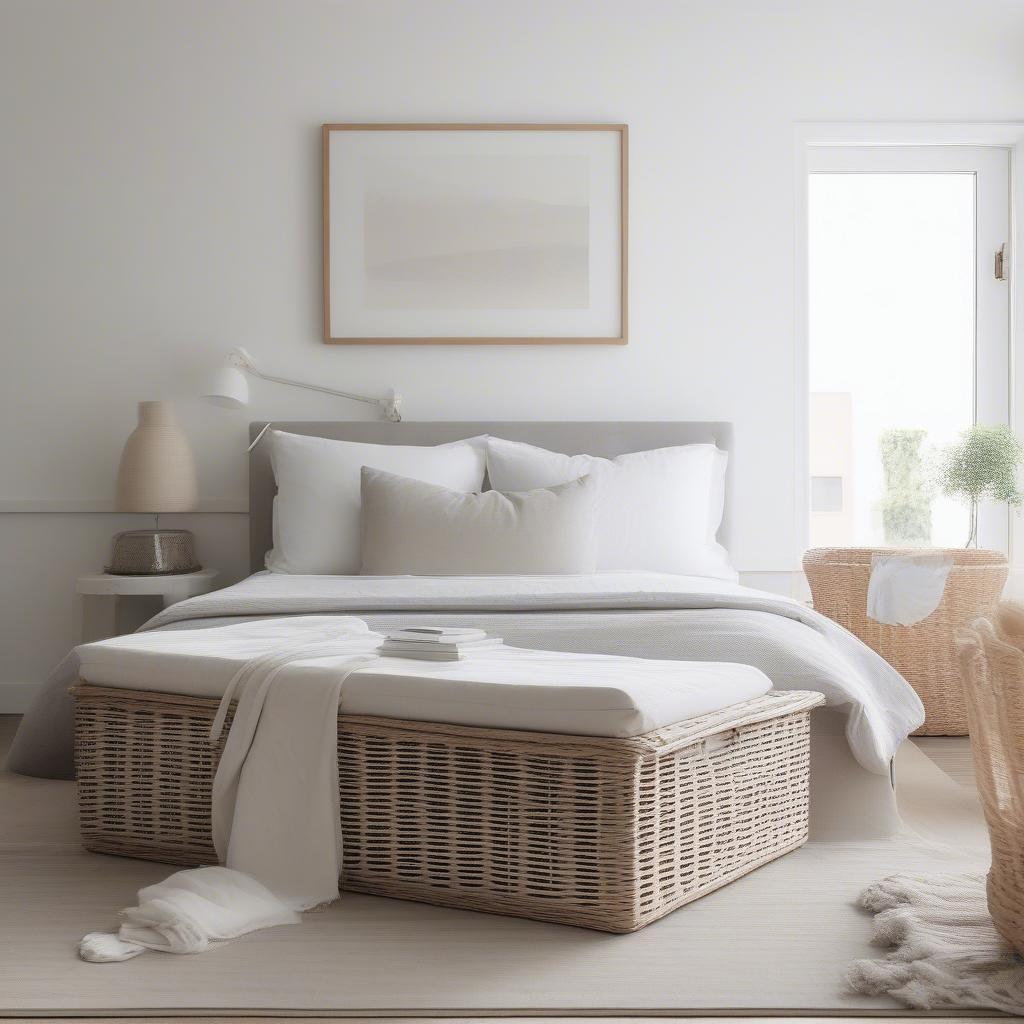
column 609, row 834
column 992, row 662
column 925, row 653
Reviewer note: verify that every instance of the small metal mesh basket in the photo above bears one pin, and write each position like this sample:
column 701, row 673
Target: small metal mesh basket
column 153, row 553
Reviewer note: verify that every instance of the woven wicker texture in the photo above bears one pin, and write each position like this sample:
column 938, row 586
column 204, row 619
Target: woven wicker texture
column 992, row 661
column 925, row 653
column 603, row 833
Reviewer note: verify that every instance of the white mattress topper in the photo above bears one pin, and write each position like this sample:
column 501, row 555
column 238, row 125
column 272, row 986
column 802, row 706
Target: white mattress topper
column 504, row 687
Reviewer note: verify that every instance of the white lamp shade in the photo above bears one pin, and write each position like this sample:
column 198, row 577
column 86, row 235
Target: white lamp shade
column 227, row 387
column 157, row 472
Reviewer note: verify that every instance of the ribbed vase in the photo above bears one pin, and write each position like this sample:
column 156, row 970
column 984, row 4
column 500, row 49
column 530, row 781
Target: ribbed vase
column 157, row 472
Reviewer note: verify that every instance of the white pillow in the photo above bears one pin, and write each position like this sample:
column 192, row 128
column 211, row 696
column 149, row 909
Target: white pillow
column 316, row 511
column 418, row 529
column 657, row 511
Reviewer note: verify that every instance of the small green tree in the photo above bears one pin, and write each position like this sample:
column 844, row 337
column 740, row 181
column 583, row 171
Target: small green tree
column 907, row 502
column 982, row 466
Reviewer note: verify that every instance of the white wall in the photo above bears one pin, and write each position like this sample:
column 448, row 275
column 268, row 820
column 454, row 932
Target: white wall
column 159, row 202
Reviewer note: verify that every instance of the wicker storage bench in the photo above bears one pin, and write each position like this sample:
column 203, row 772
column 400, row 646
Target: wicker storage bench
column 924, row 653
column 602, row 833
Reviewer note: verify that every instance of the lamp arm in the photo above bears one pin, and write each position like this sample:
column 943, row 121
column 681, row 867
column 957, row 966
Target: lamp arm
column 392, row 405
column 384, row 403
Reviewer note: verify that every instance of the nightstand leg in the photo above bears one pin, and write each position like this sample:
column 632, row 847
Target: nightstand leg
column 107, row 615
column 99, row 617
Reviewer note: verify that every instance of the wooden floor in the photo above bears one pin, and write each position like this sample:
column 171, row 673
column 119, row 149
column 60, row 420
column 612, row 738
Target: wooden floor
column 951, row 754
column 489, row 1020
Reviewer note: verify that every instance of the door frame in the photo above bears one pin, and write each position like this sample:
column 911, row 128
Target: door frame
column 808, row 135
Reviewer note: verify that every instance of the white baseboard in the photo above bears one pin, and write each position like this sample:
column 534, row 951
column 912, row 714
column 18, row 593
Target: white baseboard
column 16, row 697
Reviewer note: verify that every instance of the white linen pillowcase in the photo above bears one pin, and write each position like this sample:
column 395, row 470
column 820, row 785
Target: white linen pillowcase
column 316, row 510
column 410, row 528
column 657, row 510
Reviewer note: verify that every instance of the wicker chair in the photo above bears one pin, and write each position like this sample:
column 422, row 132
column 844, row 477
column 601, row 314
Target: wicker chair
column 992, row 663
column 925, row 653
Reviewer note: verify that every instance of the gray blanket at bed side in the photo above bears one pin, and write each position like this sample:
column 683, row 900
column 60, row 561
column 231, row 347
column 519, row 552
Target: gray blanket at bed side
column 44, row 745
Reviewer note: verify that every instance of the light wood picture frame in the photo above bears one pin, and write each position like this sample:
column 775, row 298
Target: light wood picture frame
column 475, row 234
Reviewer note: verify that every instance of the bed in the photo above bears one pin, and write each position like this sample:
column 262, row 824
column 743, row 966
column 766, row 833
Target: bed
column 642, row 614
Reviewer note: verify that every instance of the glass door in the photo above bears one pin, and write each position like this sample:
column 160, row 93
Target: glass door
column 908, row 333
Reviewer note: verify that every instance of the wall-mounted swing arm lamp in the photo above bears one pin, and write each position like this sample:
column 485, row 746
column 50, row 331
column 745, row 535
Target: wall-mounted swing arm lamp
column 227, row 387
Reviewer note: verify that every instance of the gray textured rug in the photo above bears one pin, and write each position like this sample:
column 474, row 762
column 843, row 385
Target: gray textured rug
column 944, row 950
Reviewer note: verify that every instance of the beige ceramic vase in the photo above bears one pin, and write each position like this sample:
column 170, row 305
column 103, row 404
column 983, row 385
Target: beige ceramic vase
column 157, row 471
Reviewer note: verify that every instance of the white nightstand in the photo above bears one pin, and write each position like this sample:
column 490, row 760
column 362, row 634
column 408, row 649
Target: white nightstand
column 114, row 605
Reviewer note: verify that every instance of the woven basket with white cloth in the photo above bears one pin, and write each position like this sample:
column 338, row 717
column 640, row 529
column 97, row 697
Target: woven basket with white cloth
column 923, row 653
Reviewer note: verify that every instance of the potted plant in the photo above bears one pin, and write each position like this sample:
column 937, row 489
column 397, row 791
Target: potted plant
column 982, row 466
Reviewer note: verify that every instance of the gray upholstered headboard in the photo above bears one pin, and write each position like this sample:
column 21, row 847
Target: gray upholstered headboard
column 605, row 439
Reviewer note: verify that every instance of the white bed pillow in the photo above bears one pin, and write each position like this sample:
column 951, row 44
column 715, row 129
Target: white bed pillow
column 658, row 510
column 411, row 528
column 316, row 511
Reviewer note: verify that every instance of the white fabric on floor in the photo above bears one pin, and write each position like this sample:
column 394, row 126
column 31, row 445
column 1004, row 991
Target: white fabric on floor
column 107, row 948
column 946, row 952
column 187, row 913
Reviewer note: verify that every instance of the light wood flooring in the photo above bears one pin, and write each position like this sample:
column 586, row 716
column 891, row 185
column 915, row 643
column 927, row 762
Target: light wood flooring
column 951, row 754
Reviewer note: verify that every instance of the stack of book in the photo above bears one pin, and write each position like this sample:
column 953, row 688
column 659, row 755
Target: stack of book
column 435, row 643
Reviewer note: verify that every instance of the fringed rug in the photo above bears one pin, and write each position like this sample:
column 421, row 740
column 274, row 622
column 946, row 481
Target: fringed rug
column 946, row 951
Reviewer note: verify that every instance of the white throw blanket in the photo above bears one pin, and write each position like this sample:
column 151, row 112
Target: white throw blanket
column 945, row 953
column 275, row 795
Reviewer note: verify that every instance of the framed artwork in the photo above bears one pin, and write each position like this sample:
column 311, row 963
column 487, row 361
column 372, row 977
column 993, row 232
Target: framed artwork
column 462, row 234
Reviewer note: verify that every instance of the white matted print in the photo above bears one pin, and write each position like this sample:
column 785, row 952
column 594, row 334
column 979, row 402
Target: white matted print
column 462, row 234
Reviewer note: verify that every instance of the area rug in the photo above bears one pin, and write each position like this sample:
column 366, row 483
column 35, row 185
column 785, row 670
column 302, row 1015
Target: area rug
column 945, row 952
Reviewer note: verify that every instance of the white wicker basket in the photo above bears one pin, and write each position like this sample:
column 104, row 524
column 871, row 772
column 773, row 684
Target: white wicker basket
column 604, row 833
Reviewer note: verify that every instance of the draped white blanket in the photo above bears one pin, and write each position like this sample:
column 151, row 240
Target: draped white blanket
column 275, row 795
